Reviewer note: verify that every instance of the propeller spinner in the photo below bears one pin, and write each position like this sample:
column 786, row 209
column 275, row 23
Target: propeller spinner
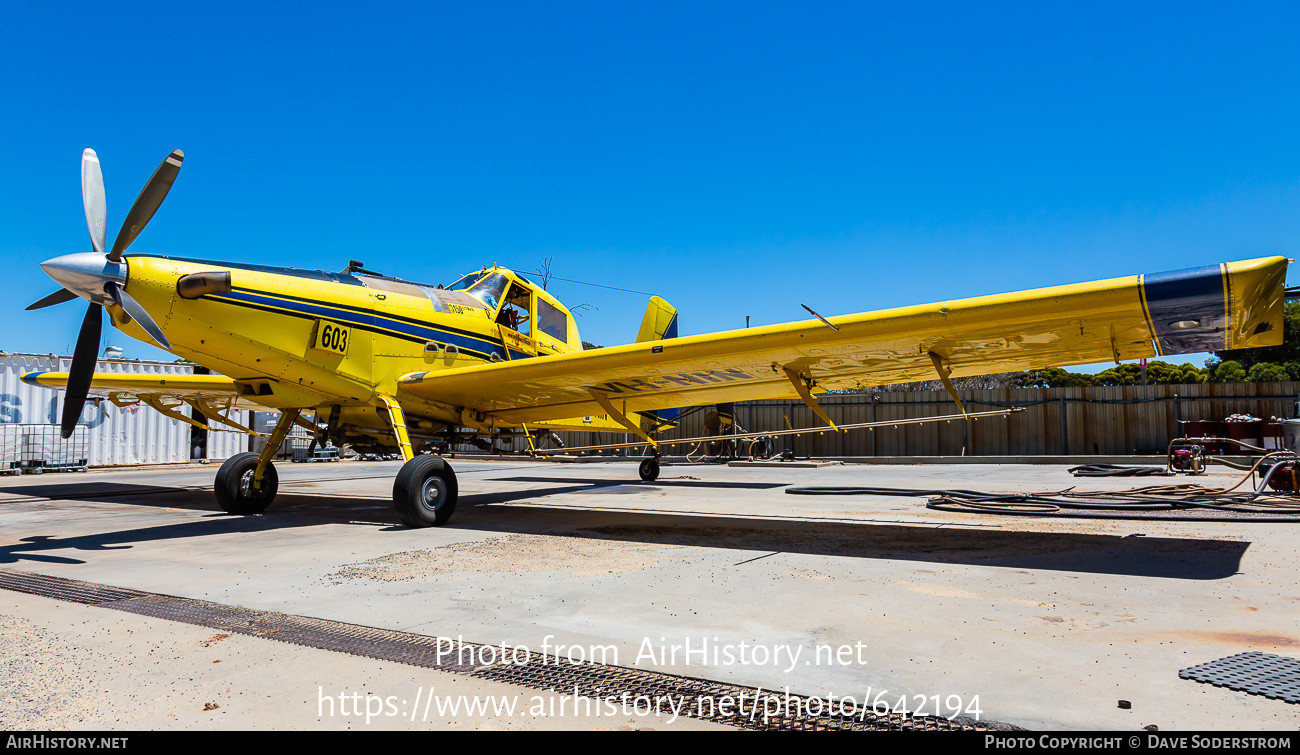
column 101, row 278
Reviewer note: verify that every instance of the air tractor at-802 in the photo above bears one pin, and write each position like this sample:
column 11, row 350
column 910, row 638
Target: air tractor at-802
column 388, row 365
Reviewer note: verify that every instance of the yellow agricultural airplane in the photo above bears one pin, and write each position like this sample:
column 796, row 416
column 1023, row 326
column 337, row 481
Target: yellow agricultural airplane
column 382, row 363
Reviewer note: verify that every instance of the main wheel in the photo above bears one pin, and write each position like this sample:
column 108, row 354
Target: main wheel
column 425, row 492
column 234, row 486
column 649, row 469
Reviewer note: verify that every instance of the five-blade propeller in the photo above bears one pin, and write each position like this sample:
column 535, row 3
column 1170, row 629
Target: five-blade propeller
column 99, row 278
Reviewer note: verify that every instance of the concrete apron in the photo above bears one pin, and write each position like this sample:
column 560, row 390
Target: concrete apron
column 1048, row 622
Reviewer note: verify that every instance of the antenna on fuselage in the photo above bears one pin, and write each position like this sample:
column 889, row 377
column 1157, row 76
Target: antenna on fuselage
column 357, row 266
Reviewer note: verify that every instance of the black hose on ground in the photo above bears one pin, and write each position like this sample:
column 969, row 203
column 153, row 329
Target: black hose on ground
column 1251, row 507
column 1115, row 470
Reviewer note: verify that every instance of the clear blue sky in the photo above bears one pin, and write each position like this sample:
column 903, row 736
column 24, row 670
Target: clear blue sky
column 737, row 159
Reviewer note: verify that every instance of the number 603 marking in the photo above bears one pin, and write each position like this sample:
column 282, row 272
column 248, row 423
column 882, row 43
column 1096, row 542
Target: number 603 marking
column 332, row 337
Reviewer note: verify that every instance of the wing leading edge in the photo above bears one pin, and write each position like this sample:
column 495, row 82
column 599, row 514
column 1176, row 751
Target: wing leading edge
column 211, row 396
column 126, row 388
column 1231, row 305
column 142, row 384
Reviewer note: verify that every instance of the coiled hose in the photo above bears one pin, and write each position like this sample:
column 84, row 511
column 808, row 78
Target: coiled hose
column 1256, row 505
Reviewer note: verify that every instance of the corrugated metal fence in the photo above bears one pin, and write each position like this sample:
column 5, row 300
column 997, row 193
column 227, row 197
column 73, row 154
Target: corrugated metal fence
column 116, row 435
column 1114, row 420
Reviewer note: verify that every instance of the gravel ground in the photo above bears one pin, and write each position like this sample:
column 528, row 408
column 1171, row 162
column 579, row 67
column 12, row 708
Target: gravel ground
column 43, row 680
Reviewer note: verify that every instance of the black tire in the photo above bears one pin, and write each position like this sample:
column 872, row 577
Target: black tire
column 649, row 470
column 425, row 492
column 234, row 485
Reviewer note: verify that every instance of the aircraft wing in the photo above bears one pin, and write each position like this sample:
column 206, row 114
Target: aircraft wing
column 211, row 395
column 139, row 385
column 1232, row 305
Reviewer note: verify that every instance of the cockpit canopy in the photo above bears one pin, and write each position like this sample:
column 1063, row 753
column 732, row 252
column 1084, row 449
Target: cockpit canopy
column 466, row 281
column 487, row 288
column 518, row 304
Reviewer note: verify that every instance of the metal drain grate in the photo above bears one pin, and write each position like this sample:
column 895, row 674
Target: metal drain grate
column 71, row 590
column 1273, row 676
column 695, row 698
column 353, row 639
column 698, row 698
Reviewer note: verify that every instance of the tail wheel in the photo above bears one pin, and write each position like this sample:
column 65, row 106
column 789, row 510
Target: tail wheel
column 234, row 485
column 649, row 469
column 425, row 492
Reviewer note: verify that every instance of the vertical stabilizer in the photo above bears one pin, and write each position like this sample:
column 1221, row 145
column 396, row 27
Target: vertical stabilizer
column 660, row 322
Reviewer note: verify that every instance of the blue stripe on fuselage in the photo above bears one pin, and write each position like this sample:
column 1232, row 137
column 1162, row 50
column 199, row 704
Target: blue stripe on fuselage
column 365, row 320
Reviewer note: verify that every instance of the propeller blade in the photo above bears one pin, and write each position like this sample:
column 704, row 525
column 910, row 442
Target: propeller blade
column 133, row 308
column 92, row 197
column 58, row 297
column 83, row 368
column 151, row 197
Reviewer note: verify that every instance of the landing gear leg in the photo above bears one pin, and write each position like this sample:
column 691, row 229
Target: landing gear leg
column 649, row 469
column 247, row 483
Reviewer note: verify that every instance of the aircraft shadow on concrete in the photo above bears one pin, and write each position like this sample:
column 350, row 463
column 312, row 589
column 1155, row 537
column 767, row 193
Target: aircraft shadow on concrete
column 666, row 483
column 96, row 491
column 1172, row 558
column 162, row 496
column 289, row 510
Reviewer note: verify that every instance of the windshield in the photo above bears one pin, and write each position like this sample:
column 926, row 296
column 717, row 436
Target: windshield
column 465, row 282
column 489, row 290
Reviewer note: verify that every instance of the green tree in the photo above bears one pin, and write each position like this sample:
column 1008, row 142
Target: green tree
column 1263, row 372
column 1164, row 373
column 1122, row 374
column 1158, row 373
column 1230, row 371
column 1054, row 377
